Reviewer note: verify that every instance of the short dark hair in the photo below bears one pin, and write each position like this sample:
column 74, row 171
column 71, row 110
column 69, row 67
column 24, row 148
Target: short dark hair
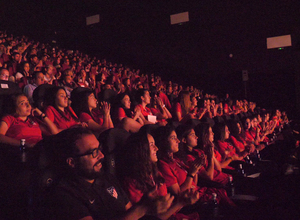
column 64, row 143
column 139, row 94
column 35, row 74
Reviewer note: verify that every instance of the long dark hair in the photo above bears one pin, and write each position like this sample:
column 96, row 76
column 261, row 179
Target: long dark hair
column 202, row 132
column 234, row 129
column 49, row 100
column 161, row 139
column 119, row 104
column 79, row 98
column 182, row 132
column 219, row 130
column 136, row 162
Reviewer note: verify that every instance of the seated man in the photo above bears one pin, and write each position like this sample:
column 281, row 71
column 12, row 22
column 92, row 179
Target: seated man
column 85, row 191
column 38, row 79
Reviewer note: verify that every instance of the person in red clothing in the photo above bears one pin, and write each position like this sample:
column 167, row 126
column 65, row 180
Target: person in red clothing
column 177, row 174
column 22, row 123
column 143, row 99
column 130, row 120
column 177, row 178
column 225, row 148
column 182, row 107
column 159, row 109
column 211, row 169
column 237, row 138
column 58, row 109
column 252, row 133
column 140, row 175
column 86, row 107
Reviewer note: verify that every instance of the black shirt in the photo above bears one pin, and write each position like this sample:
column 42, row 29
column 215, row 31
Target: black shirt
column 76, row 198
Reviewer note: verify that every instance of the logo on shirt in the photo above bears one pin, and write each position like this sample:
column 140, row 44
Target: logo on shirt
column 112, row 191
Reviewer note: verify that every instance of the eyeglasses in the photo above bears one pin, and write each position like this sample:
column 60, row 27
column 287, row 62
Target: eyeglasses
column 4, row 76
column 95, row 152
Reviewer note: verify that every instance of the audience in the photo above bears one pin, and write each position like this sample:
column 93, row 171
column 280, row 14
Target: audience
column 237, row 130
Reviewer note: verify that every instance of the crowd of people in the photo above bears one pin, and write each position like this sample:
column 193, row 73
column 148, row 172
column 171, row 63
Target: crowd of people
column 183, row 150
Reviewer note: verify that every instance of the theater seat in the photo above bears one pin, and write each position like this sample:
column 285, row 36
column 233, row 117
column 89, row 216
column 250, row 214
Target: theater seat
column 112, row 141
column 7, row 89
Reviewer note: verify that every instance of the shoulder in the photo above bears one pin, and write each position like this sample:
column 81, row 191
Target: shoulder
column 50, row 108
column 9, row 119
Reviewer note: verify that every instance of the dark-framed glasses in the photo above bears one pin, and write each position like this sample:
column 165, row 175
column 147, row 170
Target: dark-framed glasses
column 95, row 152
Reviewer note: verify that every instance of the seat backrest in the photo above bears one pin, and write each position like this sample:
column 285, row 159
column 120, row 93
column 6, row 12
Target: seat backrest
column 112, row 141
column 7, row 89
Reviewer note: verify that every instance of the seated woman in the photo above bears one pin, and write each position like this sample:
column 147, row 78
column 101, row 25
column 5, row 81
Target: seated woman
column 236, row 138
column 168, row 144
column 194, row 109
column 81, row 79
column 23, row 76
column 140, row 175
column 225, row 148
column 85, row 105
column 58, row 109
column 159, row 109
column 22, row 123
column 177, row 174
column 211, row 170
column 182, row 107
column 130, row 120
column 252, row 133
column 143, row 99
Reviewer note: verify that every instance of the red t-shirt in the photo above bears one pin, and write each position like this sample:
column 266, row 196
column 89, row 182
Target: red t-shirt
column 165, row 100
column 145, row 111
column 239, row 146
column 226, row 149
column 155, row 112
column 219, row 176
column 121, row 113
column 172, row 172
column 19, row 129
column 59, row 120
column 250, row 136
column 135, row 194
column 97, row 117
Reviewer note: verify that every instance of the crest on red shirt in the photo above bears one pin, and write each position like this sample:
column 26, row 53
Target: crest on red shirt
column 112, row 191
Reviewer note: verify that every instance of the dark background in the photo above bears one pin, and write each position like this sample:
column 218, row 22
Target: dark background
column 139, row 34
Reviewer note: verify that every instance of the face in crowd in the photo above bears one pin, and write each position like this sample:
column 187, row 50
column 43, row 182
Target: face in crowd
column 173, row 142
column 61, row 100
column 88, row 160
column 23, row 107
column 153, row 148
column 126, row 101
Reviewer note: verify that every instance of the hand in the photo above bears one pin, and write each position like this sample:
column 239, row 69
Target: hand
column 195, row 167
column 236, row 157
column 37, row 111
column 159, row 101
column 105, row 108
column 83, row 124
column 137, row 110
column 188, row 197
column 157, row 204
column 209, row 151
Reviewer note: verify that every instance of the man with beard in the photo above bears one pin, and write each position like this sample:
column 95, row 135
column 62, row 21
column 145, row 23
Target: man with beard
column 85, row 191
